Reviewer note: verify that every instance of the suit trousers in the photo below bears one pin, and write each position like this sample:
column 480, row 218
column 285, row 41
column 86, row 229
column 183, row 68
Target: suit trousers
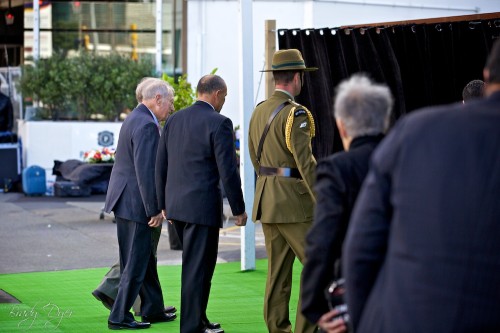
column 139, row 275
column 110, row 281
column 284, row 242
column 200, row 245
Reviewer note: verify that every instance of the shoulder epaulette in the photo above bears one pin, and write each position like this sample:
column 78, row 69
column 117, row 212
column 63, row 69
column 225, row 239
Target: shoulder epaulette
column 295, row 111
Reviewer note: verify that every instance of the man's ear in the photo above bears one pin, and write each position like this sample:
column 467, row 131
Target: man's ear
column 341, row 128
column 486, row 75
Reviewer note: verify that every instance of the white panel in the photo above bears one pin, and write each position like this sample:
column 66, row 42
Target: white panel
column 46, row 141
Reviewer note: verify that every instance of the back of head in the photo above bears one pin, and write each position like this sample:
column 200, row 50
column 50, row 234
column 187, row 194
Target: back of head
column 473, row 89
column 209, row 84
column 493, row 64
column 154, row 87
column 363, row 106
column 140, row 87
column 284, row 77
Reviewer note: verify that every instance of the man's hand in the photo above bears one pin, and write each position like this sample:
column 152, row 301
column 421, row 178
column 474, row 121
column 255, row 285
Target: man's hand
column 156, row 221
column 164, row 214
column 329, row 326
column 241, row 220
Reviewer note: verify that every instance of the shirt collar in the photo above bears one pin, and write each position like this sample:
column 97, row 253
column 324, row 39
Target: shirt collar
column 286, row 92
column 207, row 103
column 154, row 117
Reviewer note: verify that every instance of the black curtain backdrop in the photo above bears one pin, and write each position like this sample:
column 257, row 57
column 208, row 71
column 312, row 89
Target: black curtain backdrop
column 423, row 65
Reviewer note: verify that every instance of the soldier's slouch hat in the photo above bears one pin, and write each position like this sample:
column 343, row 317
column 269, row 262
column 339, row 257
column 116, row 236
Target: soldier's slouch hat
column 289, row 60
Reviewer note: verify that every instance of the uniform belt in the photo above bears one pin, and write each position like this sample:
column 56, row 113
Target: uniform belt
column 283, row 172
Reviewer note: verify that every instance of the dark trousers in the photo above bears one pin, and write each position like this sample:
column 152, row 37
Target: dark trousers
column 110, row 282
column 200, row 246
column 173, row 238
column 138, row 271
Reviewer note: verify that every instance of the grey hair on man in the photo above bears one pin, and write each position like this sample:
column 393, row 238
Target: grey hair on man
column 140, row 87
column 362, row 106
column 473, row 90
column 158, row 97
column 155, row 86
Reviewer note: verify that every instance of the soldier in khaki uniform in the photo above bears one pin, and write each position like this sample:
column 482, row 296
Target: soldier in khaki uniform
column 284, row 198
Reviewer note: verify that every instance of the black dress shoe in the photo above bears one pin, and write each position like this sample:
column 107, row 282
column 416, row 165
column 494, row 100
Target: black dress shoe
column 105, row 299
column 159, row 318
column 168, row 309
column 215, row 330
column 213, row 326
column 131, row 325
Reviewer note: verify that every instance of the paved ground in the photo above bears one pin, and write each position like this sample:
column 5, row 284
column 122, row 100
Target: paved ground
column 52, row 233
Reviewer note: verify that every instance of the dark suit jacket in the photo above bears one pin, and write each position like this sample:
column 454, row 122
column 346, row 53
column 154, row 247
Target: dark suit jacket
column 338, row 180
column 422, row 252
column 196, row 150
column 132, row 193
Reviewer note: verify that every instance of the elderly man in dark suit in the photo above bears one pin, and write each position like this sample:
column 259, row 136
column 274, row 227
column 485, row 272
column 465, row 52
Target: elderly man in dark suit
column 108, row 288
column 196, row 151
column 132, row 197
column 362, row 110
column 422, row 251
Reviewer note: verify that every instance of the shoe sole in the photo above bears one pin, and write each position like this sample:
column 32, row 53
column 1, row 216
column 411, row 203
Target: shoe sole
column 159, row 321
column 116, row 327
column 174, row 310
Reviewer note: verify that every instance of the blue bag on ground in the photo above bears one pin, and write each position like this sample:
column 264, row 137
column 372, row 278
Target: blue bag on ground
column 33, row 179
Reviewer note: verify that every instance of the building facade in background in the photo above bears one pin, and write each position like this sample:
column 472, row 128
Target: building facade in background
column 124, row 27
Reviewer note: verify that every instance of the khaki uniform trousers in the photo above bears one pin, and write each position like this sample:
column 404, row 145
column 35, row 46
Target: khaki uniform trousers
column 284, row 242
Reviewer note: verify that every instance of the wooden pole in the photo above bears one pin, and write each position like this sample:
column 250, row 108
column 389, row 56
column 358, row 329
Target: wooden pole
column 270, row 31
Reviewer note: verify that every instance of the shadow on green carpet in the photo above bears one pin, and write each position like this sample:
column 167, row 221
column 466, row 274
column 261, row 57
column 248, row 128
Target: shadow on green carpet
column 62, row 302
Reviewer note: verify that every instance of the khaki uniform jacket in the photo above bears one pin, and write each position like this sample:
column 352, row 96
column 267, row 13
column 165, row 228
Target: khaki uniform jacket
column 282, row 199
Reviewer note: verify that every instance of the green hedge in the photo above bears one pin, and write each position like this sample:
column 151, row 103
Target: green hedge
column 84, row 87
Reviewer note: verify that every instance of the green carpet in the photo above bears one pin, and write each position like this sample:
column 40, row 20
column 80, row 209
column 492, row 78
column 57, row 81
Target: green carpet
column 62, row 302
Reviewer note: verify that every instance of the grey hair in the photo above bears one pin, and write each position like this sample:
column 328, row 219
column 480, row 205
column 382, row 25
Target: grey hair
column 140, row 87
column 155, row 87
column 473, row 89
column 363, row 106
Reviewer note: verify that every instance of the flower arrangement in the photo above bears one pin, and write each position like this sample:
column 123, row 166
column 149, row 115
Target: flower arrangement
column 104, row 155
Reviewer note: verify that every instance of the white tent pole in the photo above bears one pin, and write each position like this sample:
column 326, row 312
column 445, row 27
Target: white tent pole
column 159, row 30
column 36, row 30
column 246, row 109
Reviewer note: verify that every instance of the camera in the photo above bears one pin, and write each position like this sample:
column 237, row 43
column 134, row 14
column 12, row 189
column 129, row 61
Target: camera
column 335, row 297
